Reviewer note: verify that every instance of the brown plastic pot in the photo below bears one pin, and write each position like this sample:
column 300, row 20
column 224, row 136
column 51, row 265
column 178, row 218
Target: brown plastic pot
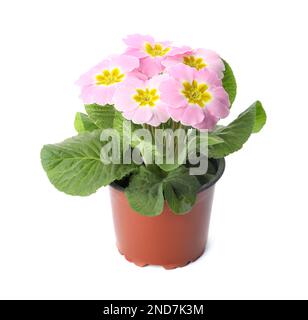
column 167, row 240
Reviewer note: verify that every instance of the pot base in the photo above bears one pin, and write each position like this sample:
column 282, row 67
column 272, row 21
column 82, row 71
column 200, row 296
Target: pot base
column 167, row 266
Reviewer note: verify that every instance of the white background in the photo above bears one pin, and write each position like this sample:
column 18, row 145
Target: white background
column 61, row 247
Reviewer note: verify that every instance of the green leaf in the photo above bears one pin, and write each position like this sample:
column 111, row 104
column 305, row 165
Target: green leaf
column 213, row 139
column 74, row 166
column 169, row 166
column 148, row 187
column 145, row 191
column 180, row 190
column 118, row 121
column 102, row 116
column 193, row 142
column 209, row 175
column 237, row 132
column 82, row 123
column 123, row 126
column 180, row 157
column 260, row 118
column 229, row 82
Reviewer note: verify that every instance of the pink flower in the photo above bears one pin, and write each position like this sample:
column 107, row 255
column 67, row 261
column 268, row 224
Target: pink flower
column 140, row 101
column 150, row 53
column 199, row 59
column 195, row 98
column 99, row 84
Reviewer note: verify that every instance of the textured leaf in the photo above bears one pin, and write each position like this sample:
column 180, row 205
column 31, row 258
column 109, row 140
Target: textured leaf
column 102, row 116
column 145, row 191
column 260, row 117
column 148, row 187
column 229, row 82
column 213, row 139
column 209, row 175
column 82, row 123
column 193, row 144
column 169, row 166
column 237, row 132
column 120, row 123
column 180, row 190
column 74, row 166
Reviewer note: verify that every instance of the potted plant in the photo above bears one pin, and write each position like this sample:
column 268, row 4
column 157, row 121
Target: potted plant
column 150, row 132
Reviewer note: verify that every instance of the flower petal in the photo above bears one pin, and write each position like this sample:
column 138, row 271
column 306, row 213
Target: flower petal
column 142, row 115
column 170, row 93
column 137, row 74
column 209, row 77
column 181, row 72
column 218, row 109
column 151, row 66
column 161, row 112
column 179, row 50
column 136, row 53
column 89, row 77
column 97, row 94
column 208, row 123
column 125, row 62
column 171, row 61
column 154, row 121
column 157, row 80
column 213, row 61
column 137, row 40
column 192, row 115
column 176, row 113
column 123, row 99
column 220, row 94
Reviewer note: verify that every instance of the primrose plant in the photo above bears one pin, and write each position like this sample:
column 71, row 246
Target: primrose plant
column 150, row 122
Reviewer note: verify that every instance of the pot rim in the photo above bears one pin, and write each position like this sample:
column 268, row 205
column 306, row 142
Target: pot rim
column 220, row 165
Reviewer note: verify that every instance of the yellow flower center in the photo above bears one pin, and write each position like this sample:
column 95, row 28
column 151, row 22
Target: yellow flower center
column 194, row 62
column 147, row 97
column 196, row 93
column 107, row 78
column 157, row 50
